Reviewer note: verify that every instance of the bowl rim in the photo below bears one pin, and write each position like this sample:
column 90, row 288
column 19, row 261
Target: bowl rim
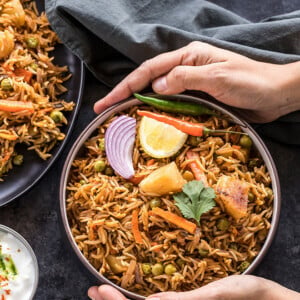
column 20, row 238
column 94, row 124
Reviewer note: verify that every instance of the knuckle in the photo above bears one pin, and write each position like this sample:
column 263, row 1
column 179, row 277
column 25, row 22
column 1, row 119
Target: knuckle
column 218, row 72
column 179, row 74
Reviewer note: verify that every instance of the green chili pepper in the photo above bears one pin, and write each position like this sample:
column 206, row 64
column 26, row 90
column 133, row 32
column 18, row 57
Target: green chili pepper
column 187, row 108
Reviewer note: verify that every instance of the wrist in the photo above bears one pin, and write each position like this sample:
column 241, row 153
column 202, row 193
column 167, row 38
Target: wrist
column 289, row 88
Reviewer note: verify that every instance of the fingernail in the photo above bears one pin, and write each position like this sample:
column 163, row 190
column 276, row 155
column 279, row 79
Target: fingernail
column 160, row 84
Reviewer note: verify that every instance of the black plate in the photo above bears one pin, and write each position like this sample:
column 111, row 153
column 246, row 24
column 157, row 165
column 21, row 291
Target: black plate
column 21, row 178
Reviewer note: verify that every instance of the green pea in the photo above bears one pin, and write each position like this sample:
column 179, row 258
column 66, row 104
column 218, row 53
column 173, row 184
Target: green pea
column 251, row 197
column 170, row 269
column 34, row 66
column 57, row 116
column 101, row 144
column 223, row 224
column 243, row 266
column 180, row 262
column 203, row 252
column 6, row 84
column 255, row 162
column 245, row 141
column 82, row 182
column 32, row 42
column 269, row 192
column 146, row 268
column 194, row 140
column 99, row 166
column 157, row 269
column 155, row 202
column 18, row 160
column 109, row 171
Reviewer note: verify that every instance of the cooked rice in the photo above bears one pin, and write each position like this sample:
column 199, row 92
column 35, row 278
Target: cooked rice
column 37, row 130
column 99, row 211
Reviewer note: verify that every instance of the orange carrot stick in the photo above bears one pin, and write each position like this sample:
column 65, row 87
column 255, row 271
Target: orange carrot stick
column 174, row 219
column 23, row 73
column 197, row 171
column 15, row 106
column 8, row 136
column 135, row 227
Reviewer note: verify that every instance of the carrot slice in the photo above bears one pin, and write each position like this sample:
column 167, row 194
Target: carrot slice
column 135, row 227
column 197, row 171
column 8, row 136
column 174, row 219
column 23, row 73
column 15, row 106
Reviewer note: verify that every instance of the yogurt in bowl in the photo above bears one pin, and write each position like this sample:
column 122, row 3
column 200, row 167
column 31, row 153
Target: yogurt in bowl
column 18, row 267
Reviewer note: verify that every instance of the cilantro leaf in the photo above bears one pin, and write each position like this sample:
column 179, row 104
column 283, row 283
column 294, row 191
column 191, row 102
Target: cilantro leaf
column 195, row 200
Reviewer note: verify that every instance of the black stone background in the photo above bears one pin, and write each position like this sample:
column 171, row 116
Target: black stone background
column 36, row 214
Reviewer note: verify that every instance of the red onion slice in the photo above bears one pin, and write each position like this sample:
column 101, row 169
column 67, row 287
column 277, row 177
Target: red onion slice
column 119, row 142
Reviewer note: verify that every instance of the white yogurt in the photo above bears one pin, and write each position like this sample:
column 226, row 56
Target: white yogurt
column 22, row 285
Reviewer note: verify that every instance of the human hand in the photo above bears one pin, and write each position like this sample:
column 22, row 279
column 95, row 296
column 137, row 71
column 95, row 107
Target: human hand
column 265, row 91
column 237, row 287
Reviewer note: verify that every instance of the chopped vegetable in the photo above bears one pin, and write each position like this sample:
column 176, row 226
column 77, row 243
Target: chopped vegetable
column 203, row 252
column 243, row 266
column 57, row 116
column 223, row 224
column 101, row 144
column 135, row 227
column 32, row 42
column 8, row 136
column 160, row 140
column 157, row 269
column 194, row 140
column 156, row 202
column 195, row 199
column 174, row 219
column 195, row 129
column 187, row 108
column 115, row 264
column 23, row 73
column 251, row 197
column 180, row 262
column 197, row 171
column 6, row 84
column 146, row 268
column 128, row 186
column 234, row 195
column 34, row 66
column 119, row 142
column 164, row 180
column 82, row 182
column 170, row 269
column 18, row 160
column 269, row 192
column 99, row 165
column 109, row 171
column 15, row 106
column 188, row 176
column 245, row 141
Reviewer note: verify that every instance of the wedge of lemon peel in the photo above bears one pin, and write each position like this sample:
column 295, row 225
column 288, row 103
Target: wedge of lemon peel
column 160, row 140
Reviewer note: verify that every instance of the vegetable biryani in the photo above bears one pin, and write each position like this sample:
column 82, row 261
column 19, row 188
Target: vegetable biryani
column 162, row 201
column 30, row 112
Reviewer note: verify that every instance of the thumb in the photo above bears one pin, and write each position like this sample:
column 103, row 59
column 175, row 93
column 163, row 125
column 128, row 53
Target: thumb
column 105, row 292
column 183, row 78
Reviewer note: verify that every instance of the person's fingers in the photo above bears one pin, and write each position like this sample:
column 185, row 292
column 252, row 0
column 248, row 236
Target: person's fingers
column 181, row 78
column 94, row 294
column 108, row 292
column 196, row 53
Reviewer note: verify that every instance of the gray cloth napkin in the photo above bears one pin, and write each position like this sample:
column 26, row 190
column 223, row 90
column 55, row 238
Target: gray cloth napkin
column 112, row 37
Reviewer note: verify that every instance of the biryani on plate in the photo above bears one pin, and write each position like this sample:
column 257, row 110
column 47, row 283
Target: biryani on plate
column 30, row 112
column 169, row 196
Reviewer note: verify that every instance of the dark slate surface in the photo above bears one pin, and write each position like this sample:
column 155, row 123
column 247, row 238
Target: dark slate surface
column 36, row 214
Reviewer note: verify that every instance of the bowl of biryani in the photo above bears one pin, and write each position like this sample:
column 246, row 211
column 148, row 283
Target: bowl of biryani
column 155, row 200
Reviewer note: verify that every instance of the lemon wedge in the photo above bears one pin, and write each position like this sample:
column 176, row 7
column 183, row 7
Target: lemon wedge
column 160, row 140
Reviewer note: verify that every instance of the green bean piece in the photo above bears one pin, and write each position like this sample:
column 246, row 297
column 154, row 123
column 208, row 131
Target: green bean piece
column 186, row 108
column 194, row 140
column 109, row 171
column 32, row 42
column 203, row 252
column 223, row 224
column 155, row 202
column 6, row 84
column 146, row 268
column 251, row 197
column 157, row 269
column 99, row 166
column 170, row 269
column 101, row 144
column 57, row 116
column 34, row 66
column 18, row 160
column 245, row 141
column 269, row 192
column 243, row 266
column 82, row 182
